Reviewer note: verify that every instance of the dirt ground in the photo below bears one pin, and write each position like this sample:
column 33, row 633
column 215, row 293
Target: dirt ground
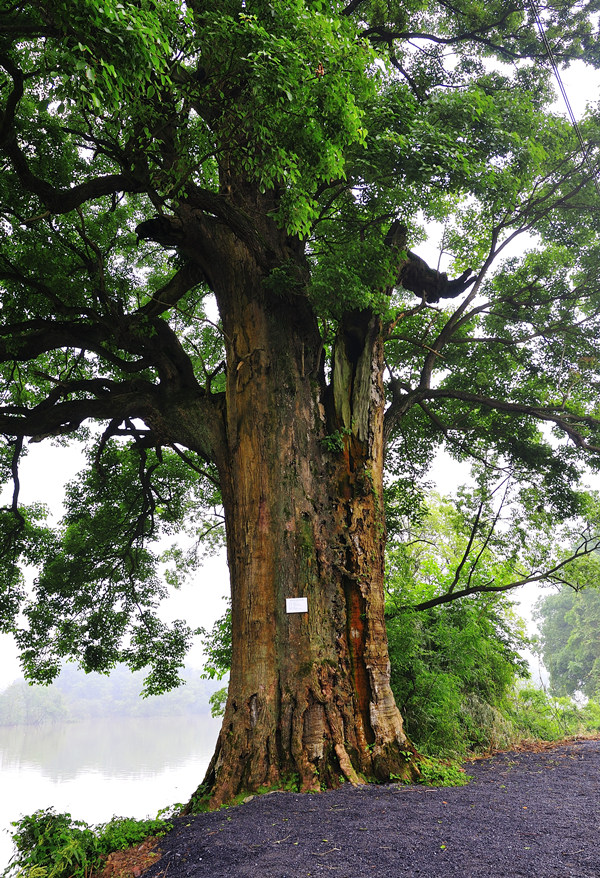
column 534, row 814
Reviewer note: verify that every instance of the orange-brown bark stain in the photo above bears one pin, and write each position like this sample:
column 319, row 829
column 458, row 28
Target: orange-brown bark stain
column 355, row 610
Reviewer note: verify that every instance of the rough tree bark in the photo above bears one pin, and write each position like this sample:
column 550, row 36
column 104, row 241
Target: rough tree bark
column 301, row 474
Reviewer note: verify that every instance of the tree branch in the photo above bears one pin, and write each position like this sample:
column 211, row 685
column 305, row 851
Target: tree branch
column 107, row 400
column 564, row 420
column 194, row 420
column 352, row 7
column 467, row 551
column 24, row 342
column 189, row 276
column 586, row 548
column 383, row 34
column 58, row 201
column 16, row 482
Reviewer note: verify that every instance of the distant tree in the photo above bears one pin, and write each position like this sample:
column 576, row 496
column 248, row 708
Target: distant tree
column 569, row 624
column 75, row 696
column 280, row 159
column 21, row 704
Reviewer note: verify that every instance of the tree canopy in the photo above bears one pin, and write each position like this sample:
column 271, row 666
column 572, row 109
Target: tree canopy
column 284, row 162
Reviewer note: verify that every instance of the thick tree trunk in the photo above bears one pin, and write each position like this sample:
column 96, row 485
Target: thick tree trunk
column 309, row 697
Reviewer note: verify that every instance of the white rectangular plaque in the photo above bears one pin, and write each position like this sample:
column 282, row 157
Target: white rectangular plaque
column 296, row 605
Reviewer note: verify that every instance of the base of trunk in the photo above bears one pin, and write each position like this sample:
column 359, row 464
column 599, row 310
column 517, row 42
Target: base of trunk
column 306, row 741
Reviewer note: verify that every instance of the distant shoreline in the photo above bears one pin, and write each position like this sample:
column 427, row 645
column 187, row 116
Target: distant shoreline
column 75, row 697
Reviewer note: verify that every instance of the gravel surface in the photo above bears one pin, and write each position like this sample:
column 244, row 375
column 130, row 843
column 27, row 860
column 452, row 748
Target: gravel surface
column 535, row 814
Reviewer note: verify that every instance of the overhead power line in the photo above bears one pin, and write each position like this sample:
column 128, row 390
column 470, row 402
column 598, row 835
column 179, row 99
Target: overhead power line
column 563, row 91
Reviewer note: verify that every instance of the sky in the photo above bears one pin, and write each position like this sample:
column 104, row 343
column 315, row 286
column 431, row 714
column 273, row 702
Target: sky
column 46, row 469
column 43, row 473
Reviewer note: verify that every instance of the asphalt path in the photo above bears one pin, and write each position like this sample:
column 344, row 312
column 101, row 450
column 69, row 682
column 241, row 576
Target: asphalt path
column 534, row 814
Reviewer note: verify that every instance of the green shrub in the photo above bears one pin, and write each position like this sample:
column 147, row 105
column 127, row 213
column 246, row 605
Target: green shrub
column 453, row 666
column 218, row 701
column 591, row 716
column 48, row 845
column 55, row 843
column 535, row 714
column 442, row 773
column 124, row 832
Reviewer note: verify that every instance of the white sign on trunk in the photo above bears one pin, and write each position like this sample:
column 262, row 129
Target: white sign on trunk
column 296, row 605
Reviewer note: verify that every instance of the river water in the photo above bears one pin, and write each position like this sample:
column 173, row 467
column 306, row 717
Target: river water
column 98, row 769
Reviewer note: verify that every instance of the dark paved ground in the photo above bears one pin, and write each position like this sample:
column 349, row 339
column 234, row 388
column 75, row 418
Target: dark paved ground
column 523, row 814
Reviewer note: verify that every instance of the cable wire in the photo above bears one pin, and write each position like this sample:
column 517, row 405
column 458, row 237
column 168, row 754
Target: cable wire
column 563, row 92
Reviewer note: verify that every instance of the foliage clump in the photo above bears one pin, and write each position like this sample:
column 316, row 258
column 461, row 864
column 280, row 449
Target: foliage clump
column 537, row 714
column 50, row 844
column 451, row 675
column 441, row 773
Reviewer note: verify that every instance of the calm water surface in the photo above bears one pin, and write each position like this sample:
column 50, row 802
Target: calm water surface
column 98, row 769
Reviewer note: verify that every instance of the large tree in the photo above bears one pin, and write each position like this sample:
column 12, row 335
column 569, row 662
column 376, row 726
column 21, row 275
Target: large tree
column 281, row 160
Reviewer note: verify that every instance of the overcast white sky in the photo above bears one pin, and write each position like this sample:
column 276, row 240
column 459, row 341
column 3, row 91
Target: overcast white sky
column 43, row 474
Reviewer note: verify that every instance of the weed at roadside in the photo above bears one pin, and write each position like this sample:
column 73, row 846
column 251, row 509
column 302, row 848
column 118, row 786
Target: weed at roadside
column 49, row 845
